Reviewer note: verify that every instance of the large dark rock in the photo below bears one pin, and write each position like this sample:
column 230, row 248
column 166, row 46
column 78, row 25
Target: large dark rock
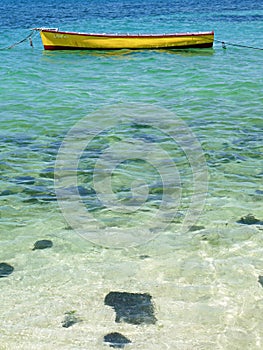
column 249, row 220
column 43, row 244
column 132, row 308
column 5, row 269
column 116, row 340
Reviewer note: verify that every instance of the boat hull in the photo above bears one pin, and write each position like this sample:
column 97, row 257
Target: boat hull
column 58, row 40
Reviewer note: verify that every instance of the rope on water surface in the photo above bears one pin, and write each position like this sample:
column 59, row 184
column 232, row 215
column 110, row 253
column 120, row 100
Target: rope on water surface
column 33, row 31
column 238, row 45
column 28, row 37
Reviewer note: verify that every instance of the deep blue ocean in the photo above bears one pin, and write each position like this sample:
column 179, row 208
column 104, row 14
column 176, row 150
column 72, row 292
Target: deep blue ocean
column 136, row 172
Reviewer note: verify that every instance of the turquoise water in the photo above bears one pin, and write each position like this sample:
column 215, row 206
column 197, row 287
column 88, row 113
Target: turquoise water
column 143, row 145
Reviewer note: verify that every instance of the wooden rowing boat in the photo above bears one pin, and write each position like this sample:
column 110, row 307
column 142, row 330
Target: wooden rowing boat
column 54, row 39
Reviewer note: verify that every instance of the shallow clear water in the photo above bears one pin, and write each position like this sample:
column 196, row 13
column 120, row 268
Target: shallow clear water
column 159, row 141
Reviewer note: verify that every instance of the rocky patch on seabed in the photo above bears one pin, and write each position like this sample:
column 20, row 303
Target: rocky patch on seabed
column 116, row 340
column 5, row 269
column 43, row 244
column 249, row 219
column 133, row 308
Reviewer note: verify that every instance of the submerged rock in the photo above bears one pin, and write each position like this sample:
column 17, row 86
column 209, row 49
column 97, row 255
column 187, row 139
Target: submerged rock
column 5, row 270
column 70, row 319
column 260, row 280
column 143, row 257
column 196, row 228
column 47, row 173
column 79, row 190
column 39, row 194
column 249, row 220
column 25, row 180
column 36, row 190
column 43, row 244
column 7, row 193
column 116, row 340
column 31, row 201
column 133, row 308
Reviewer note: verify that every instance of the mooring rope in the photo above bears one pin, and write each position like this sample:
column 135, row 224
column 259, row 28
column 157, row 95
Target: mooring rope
column 28, row 37
column 224, row 43
column 34, row 30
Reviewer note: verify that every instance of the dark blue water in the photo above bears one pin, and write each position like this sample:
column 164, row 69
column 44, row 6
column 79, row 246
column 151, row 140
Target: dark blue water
column 24, row 14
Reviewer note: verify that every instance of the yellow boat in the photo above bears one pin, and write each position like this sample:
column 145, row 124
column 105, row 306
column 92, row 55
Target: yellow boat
column 53, row 39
